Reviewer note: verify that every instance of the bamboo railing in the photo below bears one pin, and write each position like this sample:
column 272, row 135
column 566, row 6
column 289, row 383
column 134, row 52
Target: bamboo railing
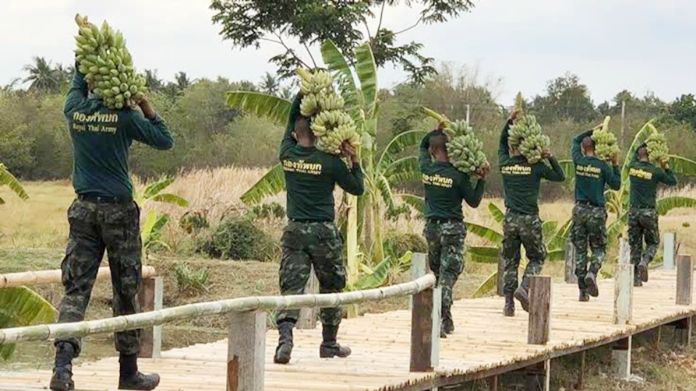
column 41, row 277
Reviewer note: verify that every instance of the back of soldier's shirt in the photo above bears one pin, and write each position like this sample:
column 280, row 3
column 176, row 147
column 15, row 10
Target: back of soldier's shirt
column 592, row 174
column 645, row 177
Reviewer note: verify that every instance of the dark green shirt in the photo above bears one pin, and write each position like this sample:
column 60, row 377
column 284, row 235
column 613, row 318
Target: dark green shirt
column 311, row 176
column 445, row 186
column 101, row 139
column 522, row 180
column 592, row 174
column 645, row 177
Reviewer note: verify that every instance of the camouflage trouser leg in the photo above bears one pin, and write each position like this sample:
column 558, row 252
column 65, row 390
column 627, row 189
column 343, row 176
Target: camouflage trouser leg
column 589, row 228
column 317, row 244
column 521, row 230
column 95, row 228
column 445, row 256
column 643, row 226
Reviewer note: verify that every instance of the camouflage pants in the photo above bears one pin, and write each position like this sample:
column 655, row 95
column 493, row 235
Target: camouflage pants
column 445, row 256
column 95, row 228
column 307, row 244
column 589, row 228
column 643, row 226
column 521, row 230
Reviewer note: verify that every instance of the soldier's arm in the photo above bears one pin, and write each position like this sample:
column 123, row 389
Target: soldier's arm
column 503, row 147
column 554, row 173
column 576, row 150
column 77, row 92
column 667, row 177
column 424, row 159
column 149, row 131
column 472, row 195
column 612, row 176
column 289, row 141
column 350, row 180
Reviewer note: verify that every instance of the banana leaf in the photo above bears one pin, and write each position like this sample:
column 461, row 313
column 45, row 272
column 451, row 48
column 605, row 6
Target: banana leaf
column 484, row 232
column 19, row 307
column 366, row 69
column 560, row 237
column 336, row 62
column 556, row 255
column 262, row 105
column 414, row 201
column 484, row 254
column 155, row 187
column 377, row 278
column 152, row 227
column 487, row 286
column 398, row 144
column 682, row 166
column 496, row 213
column 666, row 204
column 403, row 170
column 6, row 178
column 569, row 170
column 385, row 192
column 172, row 199
column 549, row 228
column 272, row 183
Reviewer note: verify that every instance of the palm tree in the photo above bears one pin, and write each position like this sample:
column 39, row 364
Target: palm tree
column 42, row 76
column 153, row 82
column 269, row 84
column 182, row 80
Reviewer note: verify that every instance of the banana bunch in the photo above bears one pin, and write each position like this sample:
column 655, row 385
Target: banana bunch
column 330, row 124
column 457, row 128
column 526, row 135
column 107, row 64
column 605, row 141
column 466, row 152
column 658, row 151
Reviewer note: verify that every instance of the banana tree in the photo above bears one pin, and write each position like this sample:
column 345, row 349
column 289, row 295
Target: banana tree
column 154, row 222
column 357, row 84
column 20, row 306
column 618, row 200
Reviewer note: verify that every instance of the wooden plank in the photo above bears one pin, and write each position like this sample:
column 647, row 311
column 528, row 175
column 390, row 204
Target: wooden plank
column 308, row 315
column 151, row 297
column 623, row 286
column 670, row 248
column 685, row 273
column 539, row 310
column 422, row 332
column 570, row 276
column 246, row 350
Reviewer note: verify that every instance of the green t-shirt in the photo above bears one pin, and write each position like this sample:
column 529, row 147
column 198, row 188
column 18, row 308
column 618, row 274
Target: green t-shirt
column 311, row 176
column 445, row 186
column 522, row 180
column 592, row 174
column 645, row 177
column 101, row 138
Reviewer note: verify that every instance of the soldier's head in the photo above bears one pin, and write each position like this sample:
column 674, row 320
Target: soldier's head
column 643, row 154
column 588, row 146
column 303, row 133
column 438, row 146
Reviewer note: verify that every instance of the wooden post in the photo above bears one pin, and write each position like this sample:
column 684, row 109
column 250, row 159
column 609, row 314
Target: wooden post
column 246, row 351
column 621, row 358
column 437, row 323
column 422, row 331
column 150, row 297
column 670, row 247
column 419, row 268
column 493, row 383
column 682, row 332
column 685, row 272
column 581, row 373
column 539, row 310
column 623, row 286
column 308, row 315
column 539, row 376
column 570, row 276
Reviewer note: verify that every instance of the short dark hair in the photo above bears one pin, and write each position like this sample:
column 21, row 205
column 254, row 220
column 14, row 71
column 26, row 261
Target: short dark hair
column 302, row 127
column 643, row 151
column 588, row 143
column 438, row 142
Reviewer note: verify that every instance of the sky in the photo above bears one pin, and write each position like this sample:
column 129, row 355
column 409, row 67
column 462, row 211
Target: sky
column 640, row 45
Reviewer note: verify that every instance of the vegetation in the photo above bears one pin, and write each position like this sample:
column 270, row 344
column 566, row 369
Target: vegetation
column 189, row 281
column 240, row 239
column 153, row 225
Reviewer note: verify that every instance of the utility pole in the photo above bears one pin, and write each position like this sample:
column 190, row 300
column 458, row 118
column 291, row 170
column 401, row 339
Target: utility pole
column 623, row 123
column 468, row 113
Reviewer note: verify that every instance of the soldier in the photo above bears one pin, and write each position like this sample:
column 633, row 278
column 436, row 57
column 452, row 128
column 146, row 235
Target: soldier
column 642, row 215
column 311, row 237
column 104, row 217
column 445, row 188
column 522, row 226
column 589, row 213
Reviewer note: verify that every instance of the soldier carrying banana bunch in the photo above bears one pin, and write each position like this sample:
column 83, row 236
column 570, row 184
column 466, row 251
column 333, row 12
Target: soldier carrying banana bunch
column 445, row 188
column 522, row 226
column 311, row 237
column 592, row 174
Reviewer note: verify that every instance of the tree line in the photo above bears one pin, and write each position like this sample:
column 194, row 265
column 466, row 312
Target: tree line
column 35, row 144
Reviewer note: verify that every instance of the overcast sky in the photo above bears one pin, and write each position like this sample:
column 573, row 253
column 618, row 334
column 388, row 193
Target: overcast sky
column 641, row 45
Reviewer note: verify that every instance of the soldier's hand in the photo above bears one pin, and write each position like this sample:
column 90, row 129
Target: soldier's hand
column 516, row 113
column 146, row 107
column 616, row 158
column 349, row 152
column 483, row 171
column 664, row 164
column 546, row 153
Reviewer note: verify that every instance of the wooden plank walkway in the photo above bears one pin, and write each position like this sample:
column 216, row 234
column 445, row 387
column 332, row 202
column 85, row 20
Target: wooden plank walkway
column 485, row 343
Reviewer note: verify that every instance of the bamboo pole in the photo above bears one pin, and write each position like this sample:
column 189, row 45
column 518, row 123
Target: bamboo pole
column 41, row 277
column 190, row 311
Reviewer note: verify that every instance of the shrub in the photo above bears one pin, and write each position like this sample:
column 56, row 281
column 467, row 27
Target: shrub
column 238, row 238
column 189, row 281
column 194, row 221
column 268, row 211
column 397, row 243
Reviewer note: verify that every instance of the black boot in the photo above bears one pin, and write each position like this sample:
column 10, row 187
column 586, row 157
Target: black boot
column 329, row 347
column 131, row 379
column 643, row 271
column 583, row 295
column 447, row 322
column 636, row 279
column 509, row 309
column 284, row 349
column 591, row 283
column 62, row 371
column 522, row 296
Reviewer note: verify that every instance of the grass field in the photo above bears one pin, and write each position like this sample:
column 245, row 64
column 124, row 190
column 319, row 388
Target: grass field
column 33, row 234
